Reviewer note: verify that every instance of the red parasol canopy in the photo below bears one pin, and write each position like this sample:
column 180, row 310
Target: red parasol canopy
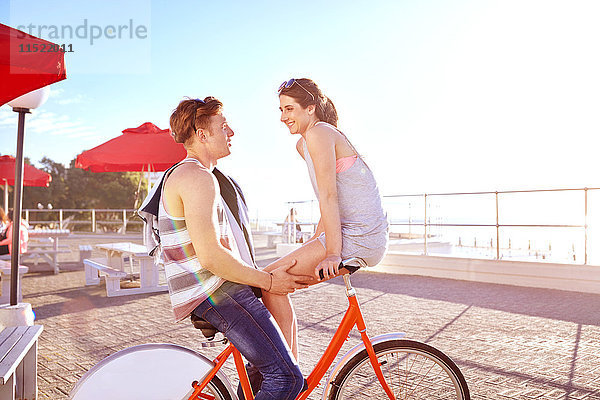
column 27, row 63
column 31, row 175
column 145, row 147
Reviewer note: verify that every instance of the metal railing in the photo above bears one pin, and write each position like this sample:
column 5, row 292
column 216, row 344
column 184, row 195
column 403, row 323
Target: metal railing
column 426, row 222
column 426, row 212
column 85, row 220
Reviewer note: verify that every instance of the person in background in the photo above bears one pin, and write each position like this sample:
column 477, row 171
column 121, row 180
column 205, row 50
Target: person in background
column 3, row 222
column 6, row 242
column 290, row 226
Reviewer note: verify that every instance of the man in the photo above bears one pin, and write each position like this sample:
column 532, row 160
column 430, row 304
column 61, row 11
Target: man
column 208, row 254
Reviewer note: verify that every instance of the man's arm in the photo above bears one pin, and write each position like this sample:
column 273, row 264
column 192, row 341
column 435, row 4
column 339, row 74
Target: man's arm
column 197, row 190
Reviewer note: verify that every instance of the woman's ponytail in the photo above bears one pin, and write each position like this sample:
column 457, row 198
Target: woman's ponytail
column 326, row 111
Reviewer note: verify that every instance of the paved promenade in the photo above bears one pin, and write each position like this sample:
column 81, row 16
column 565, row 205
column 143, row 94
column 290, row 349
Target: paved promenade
column 510, row 342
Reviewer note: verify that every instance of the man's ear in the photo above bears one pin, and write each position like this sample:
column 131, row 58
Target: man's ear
column 202, row 134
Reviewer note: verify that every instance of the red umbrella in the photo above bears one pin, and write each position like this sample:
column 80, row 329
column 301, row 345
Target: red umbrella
column 31, row 176
column 27, row 63
column 145, row 147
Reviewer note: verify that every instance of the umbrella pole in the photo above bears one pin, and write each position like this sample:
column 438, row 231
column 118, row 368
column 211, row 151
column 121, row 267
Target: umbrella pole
column 17, row 202
column 148, row 180
column 5, row 195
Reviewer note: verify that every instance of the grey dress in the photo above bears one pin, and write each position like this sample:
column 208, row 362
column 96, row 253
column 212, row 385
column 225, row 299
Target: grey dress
column 363, row 221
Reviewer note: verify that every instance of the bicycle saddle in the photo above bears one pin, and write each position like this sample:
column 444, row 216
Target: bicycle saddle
column 207, row 329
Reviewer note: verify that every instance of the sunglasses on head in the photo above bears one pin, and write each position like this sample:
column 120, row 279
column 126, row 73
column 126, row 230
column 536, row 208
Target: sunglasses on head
column 289, row 84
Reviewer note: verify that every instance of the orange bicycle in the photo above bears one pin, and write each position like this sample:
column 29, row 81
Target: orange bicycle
column 381, row 367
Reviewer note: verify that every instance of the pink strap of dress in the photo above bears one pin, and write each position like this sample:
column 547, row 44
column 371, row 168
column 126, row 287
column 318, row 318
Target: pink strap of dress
column 344, row 163
column 341, row 164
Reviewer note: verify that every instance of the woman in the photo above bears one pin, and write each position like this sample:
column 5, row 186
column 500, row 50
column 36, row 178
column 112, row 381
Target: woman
column 353, row 223
column 6, row 238
column 3, row 222
column 292, row 228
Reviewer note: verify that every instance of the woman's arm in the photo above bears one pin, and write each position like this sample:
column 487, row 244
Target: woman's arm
column 319, row 229
column 321, row 147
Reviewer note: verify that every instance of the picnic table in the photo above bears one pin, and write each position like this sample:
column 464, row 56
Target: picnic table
column 43, row 244
column 124, row 260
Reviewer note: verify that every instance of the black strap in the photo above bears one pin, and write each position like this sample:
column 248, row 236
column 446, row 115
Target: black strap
column 230, row 191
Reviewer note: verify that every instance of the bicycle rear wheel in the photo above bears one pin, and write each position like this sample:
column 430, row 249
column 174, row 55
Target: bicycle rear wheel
column 150, row 372
column 413, row 370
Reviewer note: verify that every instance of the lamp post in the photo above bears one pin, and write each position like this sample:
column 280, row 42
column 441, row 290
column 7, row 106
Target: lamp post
column 21, row 105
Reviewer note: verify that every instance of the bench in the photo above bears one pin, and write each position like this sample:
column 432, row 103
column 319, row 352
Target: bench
column 43, row 246
column 5, row 273
column 18, row 362
column 48, row 255
column 95, row 268
column 85, row 251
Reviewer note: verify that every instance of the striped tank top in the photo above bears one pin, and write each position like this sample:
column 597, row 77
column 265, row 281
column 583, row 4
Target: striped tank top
column 189, row 284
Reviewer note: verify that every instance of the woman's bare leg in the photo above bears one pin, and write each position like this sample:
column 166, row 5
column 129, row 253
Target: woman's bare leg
column 282, row 310
column 307, row 258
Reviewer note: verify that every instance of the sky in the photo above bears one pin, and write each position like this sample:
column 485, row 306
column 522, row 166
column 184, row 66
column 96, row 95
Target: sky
column 438, row 96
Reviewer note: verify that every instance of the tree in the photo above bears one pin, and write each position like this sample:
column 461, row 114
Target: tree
column 54, row 194
column 75, row 188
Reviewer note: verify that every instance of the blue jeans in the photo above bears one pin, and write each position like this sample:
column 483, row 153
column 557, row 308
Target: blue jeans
column 234, row 310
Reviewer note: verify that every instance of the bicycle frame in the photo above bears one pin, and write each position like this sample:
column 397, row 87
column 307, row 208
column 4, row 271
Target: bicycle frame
column 352, row 317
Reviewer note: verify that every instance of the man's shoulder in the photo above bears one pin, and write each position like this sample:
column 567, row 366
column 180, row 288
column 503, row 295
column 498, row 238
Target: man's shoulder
column 190, row 176
column 190, row 169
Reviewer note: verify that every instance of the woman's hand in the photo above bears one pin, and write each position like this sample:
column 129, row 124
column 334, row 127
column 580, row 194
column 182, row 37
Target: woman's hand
column 330, row 266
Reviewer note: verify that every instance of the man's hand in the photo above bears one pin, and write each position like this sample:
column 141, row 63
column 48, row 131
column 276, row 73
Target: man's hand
column 330, row 266
column 283, row 282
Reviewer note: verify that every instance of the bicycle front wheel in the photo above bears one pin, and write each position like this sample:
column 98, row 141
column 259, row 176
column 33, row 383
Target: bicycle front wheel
column 413, row 370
